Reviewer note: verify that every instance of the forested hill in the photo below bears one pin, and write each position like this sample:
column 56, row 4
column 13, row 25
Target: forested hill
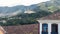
column 20, row 14
column 49, row 6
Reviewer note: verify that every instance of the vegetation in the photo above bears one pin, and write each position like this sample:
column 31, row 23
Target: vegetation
column 41, row 9
column 23, row 19
column 18, row 22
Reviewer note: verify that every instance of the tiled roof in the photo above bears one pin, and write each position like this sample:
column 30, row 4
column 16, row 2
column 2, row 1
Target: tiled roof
column 22, row 29
column 55, row 16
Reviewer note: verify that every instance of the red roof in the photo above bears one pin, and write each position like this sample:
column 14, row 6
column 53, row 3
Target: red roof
column 22, row 29
column 55, row 16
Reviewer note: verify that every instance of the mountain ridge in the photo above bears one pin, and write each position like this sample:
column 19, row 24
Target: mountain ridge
column 51, row 6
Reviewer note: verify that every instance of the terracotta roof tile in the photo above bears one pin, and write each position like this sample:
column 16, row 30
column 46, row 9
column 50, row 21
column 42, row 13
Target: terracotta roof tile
column 22, row 29
column 55, row 16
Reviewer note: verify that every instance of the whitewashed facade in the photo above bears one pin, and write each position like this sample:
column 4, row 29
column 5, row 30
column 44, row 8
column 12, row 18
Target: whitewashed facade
column 55, row 30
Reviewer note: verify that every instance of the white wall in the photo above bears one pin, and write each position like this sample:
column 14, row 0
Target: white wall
column 49, row 28
column 40, row 28
column 58, row 28
column 49, row 22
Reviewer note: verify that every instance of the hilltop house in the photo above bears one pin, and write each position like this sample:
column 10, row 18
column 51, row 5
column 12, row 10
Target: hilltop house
column 50, row 24
column 29, row 11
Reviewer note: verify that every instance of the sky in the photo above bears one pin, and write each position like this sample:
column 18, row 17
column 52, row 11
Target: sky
column 20, row 2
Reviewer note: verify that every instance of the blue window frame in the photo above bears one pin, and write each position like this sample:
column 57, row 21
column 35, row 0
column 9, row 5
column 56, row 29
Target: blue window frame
column 45, row 27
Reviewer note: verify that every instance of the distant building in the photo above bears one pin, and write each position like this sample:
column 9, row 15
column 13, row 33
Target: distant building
column 29, row 12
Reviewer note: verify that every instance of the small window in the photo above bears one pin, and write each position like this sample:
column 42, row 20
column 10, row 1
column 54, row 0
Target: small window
column 54, row 28
column 44, row 27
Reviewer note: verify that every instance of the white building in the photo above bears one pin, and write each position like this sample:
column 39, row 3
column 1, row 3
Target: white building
column 29, row 11
column 50, row 24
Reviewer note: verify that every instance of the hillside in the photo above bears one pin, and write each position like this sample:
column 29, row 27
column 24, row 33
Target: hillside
column 11, row 11
column 51, row 5
column 21, row 15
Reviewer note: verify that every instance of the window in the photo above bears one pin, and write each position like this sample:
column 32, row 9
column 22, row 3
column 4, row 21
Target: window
column 54, row 28
column 44, row 27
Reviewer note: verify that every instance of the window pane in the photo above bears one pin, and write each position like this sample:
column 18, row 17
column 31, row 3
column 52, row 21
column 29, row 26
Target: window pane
column 44, row 27
column 54, row 27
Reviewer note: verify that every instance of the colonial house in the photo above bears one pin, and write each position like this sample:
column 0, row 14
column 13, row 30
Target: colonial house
column 50, row 24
